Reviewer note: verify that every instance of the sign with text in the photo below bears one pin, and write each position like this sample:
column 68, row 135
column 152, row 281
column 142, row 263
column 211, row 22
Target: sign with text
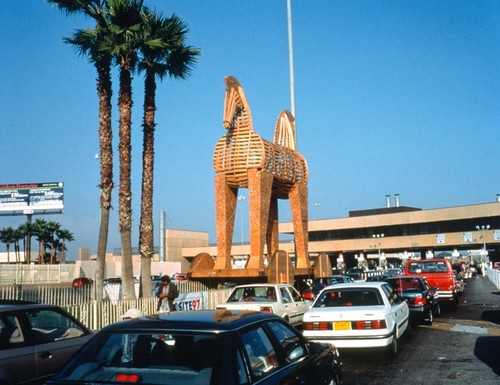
column 192, row 301
column 31, row 198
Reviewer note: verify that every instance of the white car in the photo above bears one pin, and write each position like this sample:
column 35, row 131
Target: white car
column 358, row 315
column 281, row 299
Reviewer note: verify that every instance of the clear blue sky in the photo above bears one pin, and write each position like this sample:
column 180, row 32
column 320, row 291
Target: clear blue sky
column 391, row 97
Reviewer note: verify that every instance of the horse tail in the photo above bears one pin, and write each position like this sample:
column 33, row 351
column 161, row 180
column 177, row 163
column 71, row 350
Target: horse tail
column 284, row 131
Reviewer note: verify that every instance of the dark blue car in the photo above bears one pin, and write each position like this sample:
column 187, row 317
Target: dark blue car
column 203, row 347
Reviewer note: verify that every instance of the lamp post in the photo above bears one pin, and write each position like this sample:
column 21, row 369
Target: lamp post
column 378, row 247
column 484, row 252
column 241, row 198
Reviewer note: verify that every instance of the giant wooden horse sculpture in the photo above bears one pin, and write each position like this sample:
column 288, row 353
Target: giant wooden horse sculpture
column 270, row 171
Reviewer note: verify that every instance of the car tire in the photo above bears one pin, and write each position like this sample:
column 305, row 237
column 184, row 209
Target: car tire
column 437, row 310
column 392, row 348
column 429, row 317
column 409, row 330
column 335, row 380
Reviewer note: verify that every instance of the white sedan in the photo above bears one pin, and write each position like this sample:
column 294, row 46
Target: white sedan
column 358, row 315
column 281, row 299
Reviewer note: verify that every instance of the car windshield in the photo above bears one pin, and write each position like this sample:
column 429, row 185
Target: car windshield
column 406, row 284
column 349, row 297
column 428, row 267
column 253, row 294
column 148, row 358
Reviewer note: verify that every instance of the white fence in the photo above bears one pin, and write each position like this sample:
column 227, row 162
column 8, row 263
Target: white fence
column 80, row 302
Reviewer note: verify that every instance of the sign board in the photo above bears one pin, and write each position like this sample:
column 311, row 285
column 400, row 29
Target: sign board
column 31, row 198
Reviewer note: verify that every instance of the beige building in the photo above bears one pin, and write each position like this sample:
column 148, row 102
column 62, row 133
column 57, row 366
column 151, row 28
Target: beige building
column 393, row 233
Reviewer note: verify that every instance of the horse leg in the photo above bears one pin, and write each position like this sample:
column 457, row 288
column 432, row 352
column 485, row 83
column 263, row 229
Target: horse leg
column 272, row 237
column 259, row 188
column 225, row 210
column 298, row 206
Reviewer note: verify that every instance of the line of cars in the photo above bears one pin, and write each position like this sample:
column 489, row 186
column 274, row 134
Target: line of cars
column 264, row 333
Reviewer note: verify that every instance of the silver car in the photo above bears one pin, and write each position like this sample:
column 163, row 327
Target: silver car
column 281, row 299
column 36, row 340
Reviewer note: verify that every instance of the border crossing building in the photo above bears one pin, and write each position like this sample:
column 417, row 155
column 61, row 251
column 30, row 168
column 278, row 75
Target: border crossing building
column 389, row 235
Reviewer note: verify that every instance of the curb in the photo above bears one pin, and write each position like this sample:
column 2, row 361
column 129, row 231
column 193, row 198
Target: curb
column 466, row 326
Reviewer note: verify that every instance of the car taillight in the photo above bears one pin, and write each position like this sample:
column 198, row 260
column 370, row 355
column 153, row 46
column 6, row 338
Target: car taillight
column 308, row 295
column 317, row 326
column 420, row 300
column 266, row 309
column 125, row 377
column 375, row 324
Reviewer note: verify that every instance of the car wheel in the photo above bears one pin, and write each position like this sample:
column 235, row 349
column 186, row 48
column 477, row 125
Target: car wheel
column 409, row 330
column 429, row 318
column 437, row 310
column 335, row 380
column 392, row 349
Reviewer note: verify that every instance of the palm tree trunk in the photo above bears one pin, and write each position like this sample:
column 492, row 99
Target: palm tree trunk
column 146, row 233
column 104, row 92
column 125, row 191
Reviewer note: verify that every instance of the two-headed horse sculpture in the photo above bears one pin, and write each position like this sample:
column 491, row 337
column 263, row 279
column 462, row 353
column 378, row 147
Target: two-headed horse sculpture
column 270, row 171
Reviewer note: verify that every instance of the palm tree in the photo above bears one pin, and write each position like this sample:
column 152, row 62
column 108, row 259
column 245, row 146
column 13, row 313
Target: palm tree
column 162, row 53
column 87, row 43
column 64, row 236
column 26, row 230
column 125, row 23
column 7, row 237
column 16, row 237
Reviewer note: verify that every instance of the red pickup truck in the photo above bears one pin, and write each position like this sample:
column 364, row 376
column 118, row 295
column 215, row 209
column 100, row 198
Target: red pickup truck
column 440, row 275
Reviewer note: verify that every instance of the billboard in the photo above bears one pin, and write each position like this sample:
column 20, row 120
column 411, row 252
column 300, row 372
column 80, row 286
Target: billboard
column 31, row 198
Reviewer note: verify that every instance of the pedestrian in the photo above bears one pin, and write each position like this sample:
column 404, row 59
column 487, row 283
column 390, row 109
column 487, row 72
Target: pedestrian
column 129, row 340
column 167, row 293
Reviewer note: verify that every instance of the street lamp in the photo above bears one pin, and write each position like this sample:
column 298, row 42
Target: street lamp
column 378, row 247
column 484, row 252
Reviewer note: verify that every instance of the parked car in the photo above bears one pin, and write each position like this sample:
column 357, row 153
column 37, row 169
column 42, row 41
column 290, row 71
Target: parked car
column 356, row 273
column 393, row 271
column 82, row 281
column 281, row 299
column 422, row 298
column 358, row 315
column 439, row 273
column 36, row 340
column 320, row 283
column 202, row 348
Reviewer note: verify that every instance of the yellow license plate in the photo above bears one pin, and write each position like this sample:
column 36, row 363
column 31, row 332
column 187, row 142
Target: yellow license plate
column 341, row 325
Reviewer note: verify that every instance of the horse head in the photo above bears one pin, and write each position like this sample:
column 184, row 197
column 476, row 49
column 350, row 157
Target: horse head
column 236, row 107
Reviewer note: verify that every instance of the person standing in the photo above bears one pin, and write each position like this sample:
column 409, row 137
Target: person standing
column 167, row 293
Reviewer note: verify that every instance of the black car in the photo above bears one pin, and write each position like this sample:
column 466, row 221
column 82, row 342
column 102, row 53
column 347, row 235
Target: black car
column 36, row 340
column 320, row 283
column 356, row 273
column 201, row 348
column 421, row 297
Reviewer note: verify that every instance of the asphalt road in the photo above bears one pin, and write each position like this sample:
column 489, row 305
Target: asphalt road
column 461, row 347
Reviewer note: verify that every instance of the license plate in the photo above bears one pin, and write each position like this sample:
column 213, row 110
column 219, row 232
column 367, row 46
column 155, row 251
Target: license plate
column 341, row 325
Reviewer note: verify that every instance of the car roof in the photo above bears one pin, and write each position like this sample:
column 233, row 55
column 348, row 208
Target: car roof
column 263, row 285
column 220, row 320
column 356, row 284
column 8, row 304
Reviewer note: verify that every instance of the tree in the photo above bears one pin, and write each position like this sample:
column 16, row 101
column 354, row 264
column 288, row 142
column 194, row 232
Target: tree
column 64, row 236
column 26, row 231
column 87, row 43
column 125, row 23
column 7, row 237
column 162, row 53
